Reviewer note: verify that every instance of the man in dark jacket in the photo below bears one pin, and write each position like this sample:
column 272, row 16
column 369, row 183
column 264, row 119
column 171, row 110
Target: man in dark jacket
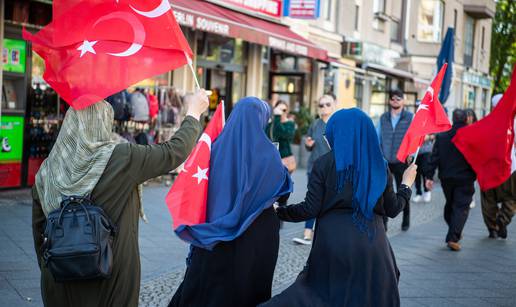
column 391, row 129
column 457, row 180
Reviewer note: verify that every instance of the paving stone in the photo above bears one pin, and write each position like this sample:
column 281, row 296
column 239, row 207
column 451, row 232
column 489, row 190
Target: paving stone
column 482, row 274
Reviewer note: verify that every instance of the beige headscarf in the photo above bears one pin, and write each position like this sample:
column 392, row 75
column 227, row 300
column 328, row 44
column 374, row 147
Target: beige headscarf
column 79, row 156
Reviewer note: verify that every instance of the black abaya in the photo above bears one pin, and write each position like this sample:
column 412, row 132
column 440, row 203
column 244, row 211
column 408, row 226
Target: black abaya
column 236, row 273
column 345, row 267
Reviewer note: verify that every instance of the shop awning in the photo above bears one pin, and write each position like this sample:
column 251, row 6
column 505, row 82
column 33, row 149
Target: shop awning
column 205, row 16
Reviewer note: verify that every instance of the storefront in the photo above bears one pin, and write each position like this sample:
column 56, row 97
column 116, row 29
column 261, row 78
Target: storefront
column 240, row 55
column 236, row 55
column 476, row 92
column 30, row 110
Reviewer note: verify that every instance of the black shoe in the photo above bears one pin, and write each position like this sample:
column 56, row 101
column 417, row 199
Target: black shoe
column 405, row 227
column 493, row 234
column 502, row 229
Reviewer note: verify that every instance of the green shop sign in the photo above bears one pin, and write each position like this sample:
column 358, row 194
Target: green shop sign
column 11, row 138
column 13, row 55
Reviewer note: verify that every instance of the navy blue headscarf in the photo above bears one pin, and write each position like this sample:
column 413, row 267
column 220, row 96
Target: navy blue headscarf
column 246, row 177
column 358, row 160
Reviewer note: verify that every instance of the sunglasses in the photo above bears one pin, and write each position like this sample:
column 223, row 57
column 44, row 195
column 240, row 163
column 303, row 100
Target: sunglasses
column 396, row 98
column 322, row 105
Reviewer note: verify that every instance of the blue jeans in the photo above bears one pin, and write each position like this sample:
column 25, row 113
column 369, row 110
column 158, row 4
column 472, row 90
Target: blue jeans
column 310, row 224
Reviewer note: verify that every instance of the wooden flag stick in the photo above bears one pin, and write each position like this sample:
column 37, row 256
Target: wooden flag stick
column 190, row 64
column 415, row 156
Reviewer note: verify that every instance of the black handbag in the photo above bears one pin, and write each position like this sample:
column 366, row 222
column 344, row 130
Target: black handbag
column 77, row 241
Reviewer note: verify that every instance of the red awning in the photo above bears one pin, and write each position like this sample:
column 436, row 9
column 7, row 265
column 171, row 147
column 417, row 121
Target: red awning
column 205, row 16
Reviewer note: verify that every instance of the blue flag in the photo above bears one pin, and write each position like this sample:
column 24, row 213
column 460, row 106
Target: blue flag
column 446, row 55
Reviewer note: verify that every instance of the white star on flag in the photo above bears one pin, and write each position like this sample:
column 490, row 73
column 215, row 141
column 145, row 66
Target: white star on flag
column 422, row 107
column 86, row 47
column 201, row 174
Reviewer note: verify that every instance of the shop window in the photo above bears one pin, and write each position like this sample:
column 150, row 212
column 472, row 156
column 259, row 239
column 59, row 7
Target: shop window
column 378, row 98
column 359, row 91
column 483, row 37
column 221, row 49
column 395, row 31
column 485, row 103
column 469, row 37
column 379, row 6
column 470, row 96
column 430, row 21
column 357, row 16
column 289, row 63
column 455, row 20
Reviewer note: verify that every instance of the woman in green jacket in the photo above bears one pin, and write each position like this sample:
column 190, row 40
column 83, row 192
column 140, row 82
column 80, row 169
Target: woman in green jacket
column 88, row 160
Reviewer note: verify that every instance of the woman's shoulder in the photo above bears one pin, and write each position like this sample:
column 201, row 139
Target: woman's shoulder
column 325, row 161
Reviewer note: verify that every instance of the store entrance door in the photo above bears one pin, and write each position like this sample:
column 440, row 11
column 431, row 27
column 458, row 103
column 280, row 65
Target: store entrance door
column 289, row 87
column 225, row 85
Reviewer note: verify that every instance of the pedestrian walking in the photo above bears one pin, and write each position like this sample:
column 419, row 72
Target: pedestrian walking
column 282, row 131
column 422, row 160
column 233, row 254
column 498, row 217
column 457, row 180
column 391, row 129
column 317, row 145
column 351, row 262
column 88, row 160
column 471, row 118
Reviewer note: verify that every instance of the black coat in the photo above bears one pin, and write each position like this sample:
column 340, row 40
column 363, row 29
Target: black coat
column 345, row 267
column 235, row 273
column 452, row 165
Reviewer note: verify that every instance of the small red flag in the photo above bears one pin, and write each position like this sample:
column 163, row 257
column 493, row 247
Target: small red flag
column 93, row 49
column 187, row 198
column 430, row 118
column 487, row 144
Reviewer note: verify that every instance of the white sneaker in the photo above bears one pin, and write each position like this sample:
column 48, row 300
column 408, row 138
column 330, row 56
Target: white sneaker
column 427, row 197
column 304, row 241
column 472, row 205
column 417, row 199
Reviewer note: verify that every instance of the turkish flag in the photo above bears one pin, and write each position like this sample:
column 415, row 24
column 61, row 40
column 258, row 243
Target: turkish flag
column 187, row 198
column 487, row 144
column 430, row 118
column 93, row 49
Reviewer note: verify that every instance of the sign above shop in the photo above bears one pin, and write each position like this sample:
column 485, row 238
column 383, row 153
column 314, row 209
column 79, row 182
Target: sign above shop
column 208, row 17
column 476, row 79
column 270, row 8
column 13, row 55
column 302, row 9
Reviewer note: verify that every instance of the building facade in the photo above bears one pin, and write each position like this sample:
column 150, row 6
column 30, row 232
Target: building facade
column 396, row 43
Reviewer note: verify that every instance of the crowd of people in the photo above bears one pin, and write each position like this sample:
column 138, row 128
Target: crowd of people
column 355, row 183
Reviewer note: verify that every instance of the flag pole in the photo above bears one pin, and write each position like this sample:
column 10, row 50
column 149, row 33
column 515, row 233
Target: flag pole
column 415, row 156
column 190, row 64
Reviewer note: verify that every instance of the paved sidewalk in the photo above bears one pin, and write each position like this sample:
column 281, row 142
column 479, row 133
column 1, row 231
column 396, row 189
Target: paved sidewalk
column 483, row 274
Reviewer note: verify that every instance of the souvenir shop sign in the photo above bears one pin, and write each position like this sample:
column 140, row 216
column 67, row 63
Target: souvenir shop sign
column 208, row 17
column 13, row 55
column 302, row 9
column 270, row 8
column 11, row 138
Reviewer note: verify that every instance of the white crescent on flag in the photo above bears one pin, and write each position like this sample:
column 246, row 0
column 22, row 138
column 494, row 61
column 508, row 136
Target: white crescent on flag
column 139, row 32
column 161, row 9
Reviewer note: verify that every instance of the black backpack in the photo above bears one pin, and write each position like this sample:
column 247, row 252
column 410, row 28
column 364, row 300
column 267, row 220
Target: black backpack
column 77, row 241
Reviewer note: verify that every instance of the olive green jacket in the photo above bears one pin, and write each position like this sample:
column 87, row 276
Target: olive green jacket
column 117, row 193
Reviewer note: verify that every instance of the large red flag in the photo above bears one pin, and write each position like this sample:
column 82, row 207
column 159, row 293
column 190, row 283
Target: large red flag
column 187, row 198
column 430, row 118
column 93, row 49
column 487, row 144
